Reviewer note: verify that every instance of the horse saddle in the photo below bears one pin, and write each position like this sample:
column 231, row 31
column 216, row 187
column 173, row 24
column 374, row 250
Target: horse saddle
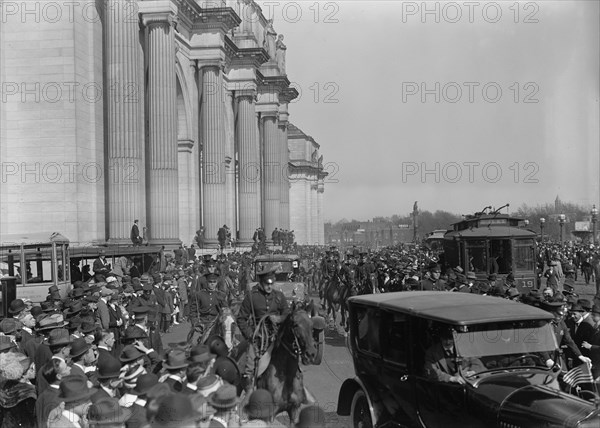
column 264, row 360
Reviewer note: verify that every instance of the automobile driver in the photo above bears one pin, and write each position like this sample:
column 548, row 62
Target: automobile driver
column 441, row 365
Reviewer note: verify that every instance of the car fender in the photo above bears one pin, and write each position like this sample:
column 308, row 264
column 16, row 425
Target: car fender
column 347, row 391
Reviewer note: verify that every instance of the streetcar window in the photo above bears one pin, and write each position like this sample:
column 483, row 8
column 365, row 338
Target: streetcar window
column 524, row 260
column 477, row 256
column 38, row 264
column 500, row 256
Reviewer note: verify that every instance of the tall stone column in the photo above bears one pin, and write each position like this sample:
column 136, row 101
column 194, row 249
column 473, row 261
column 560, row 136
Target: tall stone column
column 125, row 127
column 230, row 204
column 271, row 172
column 213, row 138
column 309, row 211
column 320, row 217
column 249, row 161
column 284, row 207
column 314, row 215
column 163, row 192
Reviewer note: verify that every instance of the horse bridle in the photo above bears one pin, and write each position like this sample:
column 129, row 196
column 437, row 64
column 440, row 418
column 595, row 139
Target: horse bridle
column 296, row 349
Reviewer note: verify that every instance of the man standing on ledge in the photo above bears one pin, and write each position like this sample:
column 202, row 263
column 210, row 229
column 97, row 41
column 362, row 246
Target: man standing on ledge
column 135, row 234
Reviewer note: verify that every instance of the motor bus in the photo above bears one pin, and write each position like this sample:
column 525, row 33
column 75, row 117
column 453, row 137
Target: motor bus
column 487, row 243
column 37, row 261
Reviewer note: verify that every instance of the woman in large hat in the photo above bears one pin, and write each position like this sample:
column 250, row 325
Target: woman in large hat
column 17, row 394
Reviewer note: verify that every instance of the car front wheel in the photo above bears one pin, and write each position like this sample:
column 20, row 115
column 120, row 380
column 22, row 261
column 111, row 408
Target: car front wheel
column 359, row 412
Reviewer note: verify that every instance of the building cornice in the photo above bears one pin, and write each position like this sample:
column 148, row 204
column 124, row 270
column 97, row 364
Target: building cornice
column 251, row 57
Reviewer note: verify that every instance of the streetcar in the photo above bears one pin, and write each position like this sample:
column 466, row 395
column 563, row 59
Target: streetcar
column 37, row 261
column 493, row 243
column 143, row 257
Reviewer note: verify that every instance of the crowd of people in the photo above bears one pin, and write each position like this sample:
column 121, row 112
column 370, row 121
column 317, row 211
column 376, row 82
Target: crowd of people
column 96, row 357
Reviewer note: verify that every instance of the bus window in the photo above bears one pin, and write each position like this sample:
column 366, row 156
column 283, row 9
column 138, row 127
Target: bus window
column 500, row 256
column 524, row 255
column 477, row 256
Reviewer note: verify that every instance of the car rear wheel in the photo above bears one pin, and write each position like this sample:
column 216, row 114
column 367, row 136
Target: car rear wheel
column 359, row 412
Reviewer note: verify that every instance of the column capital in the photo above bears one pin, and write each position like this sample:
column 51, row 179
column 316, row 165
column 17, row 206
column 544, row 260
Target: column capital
column 160, row 18
column 213, row 63
column 246, row 93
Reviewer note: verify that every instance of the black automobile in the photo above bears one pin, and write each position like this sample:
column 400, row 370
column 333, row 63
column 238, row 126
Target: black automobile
column 499, row 350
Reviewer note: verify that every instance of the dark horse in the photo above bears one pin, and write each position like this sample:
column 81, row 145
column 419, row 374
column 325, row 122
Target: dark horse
column 336, row 295
column 283, row 378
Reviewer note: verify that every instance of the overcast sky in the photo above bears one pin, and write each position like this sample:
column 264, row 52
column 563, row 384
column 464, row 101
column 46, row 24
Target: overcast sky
column 516, row 118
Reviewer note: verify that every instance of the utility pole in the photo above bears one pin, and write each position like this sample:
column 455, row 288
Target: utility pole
column 415, row 222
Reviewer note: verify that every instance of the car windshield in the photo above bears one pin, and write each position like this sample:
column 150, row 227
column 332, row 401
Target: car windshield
column 507, row 345
column 281, row 266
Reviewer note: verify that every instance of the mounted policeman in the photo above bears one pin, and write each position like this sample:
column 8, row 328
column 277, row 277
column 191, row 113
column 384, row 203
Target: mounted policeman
column 261, row 311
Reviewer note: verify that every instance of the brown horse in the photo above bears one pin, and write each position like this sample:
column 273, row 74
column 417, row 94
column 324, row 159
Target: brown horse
column 283, row 378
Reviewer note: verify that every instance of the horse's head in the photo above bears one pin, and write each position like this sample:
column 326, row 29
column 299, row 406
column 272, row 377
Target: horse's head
column 297, row 329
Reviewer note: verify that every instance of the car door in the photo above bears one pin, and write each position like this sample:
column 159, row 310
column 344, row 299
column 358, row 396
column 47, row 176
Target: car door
column 440, row 404
column 395, row 383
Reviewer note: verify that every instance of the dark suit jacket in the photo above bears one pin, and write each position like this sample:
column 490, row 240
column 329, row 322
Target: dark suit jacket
column 175, row 385
column 101, row 393
column 436, row 367
column 76, row 371
column 101, row 268
column 103, row 315
column 46, row 401
column 138, row 418
column 135, row 232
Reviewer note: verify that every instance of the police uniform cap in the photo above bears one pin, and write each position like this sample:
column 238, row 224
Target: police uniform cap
column 211, row 277
column 434, row 267
column 551, row 306
column 140, row 311
column 266, row 271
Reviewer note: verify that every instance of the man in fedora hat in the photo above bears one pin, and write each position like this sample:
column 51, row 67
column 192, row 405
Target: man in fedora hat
column 16, row 307
column 260, row 408
column 108, row 373
column 311, row 417
column 581, row 328
column 101, row 267
column 224, row 401
column 107, row 412
column 262, row 300
column 83, row 357
column 176, row 364
column 54, row 371
column 59, row 343
column 75, row 394
column 143, row 385
column 175, row 411
column 593, row 346
column 561, row 332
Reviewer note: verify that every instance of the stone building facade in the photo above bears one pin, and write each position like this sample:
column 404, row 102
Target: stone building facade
column 173, row 112
column 307, row 184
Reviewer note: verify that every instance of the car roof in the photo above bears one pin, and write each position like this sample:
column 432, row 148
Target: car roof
column 276, row 258
column 453, row 308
